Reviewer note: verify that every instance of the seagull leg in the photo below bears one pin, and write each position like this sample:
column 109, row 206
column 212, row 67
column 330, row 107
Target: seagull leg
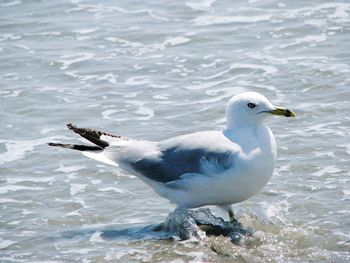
column 231, row 216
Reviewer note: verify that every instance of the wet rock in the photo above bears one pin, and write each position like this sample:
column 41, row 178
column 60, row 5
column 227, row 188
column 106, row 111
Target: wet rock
column 197, row 224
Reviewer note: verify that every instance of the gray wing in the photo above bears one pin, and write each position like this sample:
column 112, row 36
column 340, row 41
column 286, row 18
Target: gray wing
column 176, row 161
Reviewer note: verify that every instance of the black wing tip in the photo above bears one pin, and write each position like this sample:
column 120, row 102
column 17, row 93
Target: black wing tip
column 53, row 144
column 78, row 147
column 71, row 126
column 60, row 145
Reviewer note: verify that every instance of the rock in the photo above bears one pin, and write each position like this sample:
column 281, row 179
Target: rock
column 188, row 224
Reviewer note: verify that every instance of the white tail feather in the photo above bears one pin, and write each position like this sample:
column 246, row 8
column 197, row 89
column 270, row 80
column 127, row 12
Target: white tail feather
column 100, row 157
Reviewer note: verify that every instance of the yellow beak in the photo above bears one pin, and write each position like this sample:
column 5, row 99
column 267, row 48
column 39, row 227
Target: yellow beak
column 283, row 112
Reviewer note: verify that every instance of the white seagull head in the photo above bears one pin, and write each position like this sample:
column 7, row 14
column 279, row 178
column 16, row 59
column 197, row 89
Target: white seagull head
column 251, row 108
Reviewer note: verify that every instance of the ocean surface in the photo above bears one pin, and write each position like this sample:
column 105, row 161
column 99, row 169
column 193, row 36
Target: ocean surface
column 157, row 69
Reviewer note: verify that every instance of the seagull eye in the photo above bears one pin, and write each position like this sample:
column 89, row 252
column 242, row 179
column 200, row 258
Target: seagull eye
column 251, row 105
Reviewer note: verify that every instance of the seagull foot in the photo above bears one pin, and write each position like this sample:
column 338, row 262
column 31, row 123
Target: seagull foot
column 234, row 221
column 197, row 224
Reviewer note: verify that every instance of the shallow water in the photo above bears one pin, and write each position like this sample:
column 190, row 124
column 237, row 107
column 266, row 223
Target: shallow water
column 156, row 69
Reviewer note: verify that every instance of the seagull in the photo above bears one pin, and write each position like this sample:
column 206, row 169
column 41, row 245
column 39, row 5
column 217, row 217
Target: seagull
column 202, row 168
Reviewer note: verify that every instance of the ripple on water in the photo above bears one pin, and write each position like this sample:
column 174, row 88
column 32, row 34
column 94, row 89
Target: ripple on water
column 208, row 20
column 16, row 150
column 6, row 243
column 69, row 169
column 70, row 59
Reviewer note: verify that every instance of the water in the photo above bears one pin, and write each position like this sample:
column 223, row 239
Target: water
column 156, row 69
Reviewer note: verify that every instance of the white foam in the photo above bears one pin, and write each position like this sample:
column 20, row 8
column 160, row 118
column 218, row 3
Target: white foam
column 27, row 212
column 346, row 193
column 139, row 11
column 267, row 68
column 110, row 77
column 50, row 33
column 69, row 169
column 68, row 60
column 124, row 42
column 13, row 188
column 85, row 31
column 315, row 22
column 161, row 97
column 109, row 189
column 5, row 37
column 15, row 222
column 168, row 42
column 346, row 146
column 197, row 256
column 114, row 8
column 312, row 38
column 198, row 85
column 13, row 93
column 18, row 149
column 331, row 169
column 106, row 114
column 96, row 237
column 114, row 256
column 77, row 188
column 45, row 131
column 215, row 63
column 74, row 213
column 284, row 168
column 10, row 3
column 207, row 20
column 80, row 38
column 271, row 213
column 15, row 180
column 6, row 243
column 144, row 111
column 307, row 39
column 137, row 81
column 174, row 41
column 204, row 5
column 10, row 200
column 96, row 181
column 341, row 14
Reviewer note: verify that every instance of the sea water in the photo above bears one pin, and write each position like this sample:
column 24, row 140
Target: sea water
column 157, row 69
